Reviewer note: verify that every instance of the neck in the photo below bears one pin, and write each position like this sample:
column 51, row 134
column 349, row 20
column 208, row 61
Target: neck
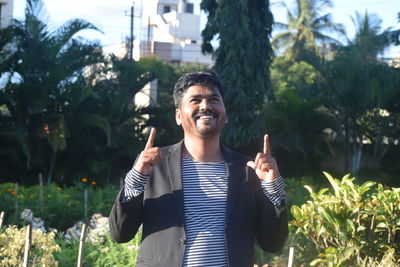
column 203, row 149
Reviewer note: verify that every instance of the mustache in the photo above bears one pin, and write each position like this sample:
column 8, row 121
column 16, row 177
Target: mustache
column 205, row 113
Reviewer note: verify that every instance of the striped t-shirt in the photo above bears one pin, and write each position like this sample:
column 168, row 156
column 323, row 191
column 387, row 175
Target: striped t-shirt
column 205, row 187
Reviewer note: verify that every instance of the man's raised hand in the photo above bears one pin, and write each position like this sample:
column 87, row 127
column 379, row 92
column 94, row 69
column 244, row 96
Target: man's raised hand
column 264, row 164
column 149, row 157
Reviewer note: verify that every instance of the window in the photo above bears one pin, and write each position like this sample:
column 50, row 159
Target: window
column 167, row 9
column 189, row 8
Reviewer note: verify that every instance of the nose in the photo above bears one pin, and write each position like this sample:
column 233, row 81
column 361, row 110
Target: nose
column 203, row 104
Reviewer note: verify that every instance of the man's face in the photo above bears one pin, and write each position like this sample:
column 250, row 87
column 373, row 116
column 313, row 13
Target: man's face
column 202, row 112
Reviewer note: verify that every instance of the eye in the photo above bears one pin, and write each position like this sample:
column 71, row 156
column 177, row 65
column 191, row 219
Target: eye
column 214, row 100
column 195, row 100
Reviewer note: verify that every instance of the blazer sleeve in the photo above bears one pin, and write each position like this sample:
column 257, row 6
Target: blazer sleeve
column 125, row 217
column 271, row 222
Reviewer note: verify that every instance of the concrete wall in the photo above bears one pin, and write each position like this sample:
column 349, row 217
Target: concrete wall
column 6, row 12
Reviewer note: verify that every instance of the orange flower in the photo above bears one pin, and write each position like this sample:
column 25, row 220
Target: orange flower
column 93, row 182
column 45, row 128
column 84, row 180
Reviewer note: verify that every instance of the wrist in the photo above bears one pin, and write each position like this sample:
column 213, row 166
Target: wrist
column 142, row 169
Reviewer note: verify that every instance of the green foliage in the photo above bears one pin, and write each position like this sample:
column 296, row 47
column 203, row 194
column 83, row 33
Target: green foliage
column 305, row 28
column 107, row 253
column 359, row 92
column 12, row 243
column 349, row 224
column 242, row 61
column 62, row 206
column 100, row 249
column 71, row 113
column 298, row 137
column 288, row 74
column 113, row 254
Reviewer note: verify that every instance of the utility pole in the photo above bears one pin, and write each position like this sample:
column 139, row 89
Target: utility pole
column 131, row 39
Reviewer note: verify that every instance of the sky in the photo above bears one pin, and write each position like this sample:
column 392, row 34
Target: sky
column 112, row 16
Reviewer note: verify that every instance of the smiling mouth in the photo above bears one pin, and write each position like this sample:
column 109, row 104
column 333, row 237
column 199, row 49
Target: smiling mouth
column 207, row 117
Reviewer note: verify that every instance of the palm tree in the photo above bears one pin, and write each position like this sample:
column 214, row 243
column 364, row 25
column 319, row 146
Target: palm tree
column 307, row 25
column 42, row 69
column 369, row 39
column 357, row 86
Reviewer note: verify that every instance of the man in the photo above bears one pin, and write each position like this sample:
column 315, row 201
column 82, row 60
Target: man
column 200, row 203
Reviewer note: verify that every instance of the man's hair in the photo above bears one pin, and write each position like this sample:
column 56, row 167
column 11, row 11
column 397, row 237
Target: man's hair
column 200, row 78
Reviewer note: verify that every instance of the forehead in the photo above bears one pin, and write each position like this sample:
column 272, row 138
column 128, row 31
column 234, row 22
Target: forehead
column 201, row 90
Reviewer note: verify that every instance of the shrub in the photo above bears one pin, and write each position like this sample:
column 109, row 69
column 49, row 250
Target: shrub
column 100, row 249
column 12, row 243
column 62, row 206
column 349, row 224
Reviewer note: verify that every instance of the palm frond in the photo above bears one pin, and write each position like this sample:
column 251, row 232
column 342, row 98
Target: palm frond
column 66, row 31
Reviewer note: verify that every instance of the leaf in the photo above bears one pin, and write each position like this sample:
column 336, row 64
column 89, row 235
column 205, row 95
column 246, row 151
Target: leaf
column 334, row 183
column 382, row 225
column 296, row 212
column 361, row 228
column 345, row 255
column 97, row 121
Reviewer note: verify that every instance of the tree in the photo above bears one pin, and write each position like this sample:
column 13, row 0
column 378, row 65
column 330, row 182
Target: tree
column 357, row 89
column 42, row 71
column 296, row 119
column 306, row 27
column 242, row 61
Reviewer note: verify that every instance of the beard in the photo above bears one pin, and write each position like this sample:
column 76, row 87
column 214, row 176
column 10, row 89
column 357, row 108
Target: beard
column 208, row 123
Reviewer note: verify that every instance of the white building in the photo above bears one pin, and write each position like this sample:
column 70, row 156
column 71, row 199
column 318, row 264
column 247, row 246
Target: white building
column 169, row 29
column 6, row 12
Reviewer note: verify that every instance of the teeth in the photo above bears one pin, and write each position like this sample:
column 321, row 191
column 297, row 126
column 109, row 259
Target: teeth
column 206, row 117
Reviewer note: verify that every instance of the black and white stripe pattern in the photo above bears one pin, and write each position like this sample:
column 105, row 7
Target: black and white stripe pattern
column 275, row 191
column 205, row 187
column 134, row 183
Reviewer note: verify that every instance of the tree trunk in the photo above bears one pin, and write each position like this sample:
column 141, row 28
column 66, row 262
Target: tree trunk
column 50, row 173
column 356, row 157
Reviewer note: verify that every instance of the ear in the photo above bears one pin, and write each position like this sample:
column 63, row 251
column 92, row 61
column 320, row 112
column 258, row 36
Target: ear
column 178, row 117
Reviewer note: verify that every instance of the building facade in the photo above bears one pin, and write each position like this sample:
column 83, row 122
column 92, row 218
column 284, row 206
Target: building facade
column 6, row 12
column 169, row 29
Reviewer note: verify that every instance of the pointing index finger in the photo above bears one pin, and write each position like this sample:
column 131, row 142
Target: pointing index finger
column 152, row 136
column 266, row 145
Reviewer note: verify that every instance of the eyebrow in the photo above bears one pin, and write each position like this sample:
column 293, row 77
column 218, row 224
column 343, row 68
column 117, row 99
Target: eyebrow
column 205, row 95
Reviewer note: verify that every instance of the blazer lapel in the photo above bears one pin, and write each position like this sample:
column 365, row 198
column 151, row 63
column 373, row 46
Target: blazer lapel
column 175, row 177
column 234, row 180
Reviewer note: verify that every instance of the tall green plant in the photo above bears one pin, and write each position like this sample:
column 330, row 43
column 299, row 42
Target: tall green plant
column 350, row 224
column 242, row 60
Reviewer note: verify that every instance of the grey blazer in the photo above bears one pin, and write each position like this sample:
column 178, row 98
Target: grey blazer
column 250, row 215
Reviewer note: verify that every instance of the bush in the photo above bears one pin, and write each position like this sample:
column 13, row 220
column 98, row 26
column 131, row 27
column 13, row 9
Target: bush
column 349, row 224
column 100, row 249
column 62, row 206
column 12, row 244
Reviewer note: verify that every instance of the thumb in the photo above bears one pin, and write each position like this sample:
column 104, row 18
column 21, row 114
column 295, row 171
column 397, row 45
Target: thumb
column 251, row 164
